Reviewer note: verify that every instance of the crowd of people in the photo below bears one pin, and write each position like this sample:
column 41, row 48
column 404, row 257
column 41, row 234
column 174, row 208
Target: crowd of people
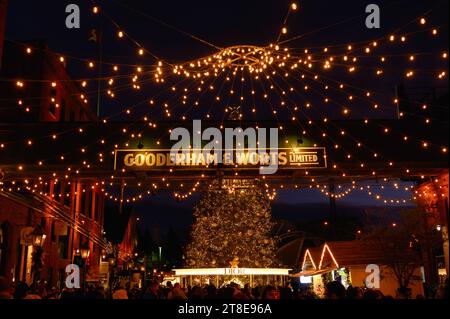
column 232, row 291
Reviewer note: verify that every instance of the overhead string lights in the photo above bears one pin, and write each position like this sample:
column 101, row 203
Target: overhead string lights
column 289, row 81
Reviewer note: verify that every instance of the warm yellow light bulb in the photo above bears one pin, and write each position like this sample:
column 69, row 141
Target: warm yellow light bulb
column 294, row 6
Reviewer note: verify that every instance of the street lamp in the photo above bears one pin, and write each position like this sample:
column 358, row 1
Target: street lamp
column 38, row 237
column 85, row 252
column 112, row 260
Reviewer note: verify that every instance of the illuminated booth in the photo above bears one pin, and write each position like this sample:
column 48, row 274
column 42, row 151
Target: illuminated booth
column 351, row 263
column 223, row 276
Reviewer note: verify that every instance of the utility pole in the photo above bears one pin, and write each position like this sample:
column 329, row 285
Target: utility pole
column 333, row 211
column 122, row 189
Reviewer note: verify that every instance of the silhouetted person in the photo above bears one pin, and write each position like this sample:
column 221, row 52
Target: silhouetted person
column 5, row 289
column 152, row 291
column 373, row 294
column 248, row 291
column 21, row 290
column 354, row 293
column 270, row 293
column 335, row 290
column 211, row 292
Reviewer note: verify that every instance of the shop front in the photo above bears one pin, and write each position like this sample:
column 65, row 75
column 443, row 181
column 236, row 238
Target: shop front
column 356, row 264
column 221, row 277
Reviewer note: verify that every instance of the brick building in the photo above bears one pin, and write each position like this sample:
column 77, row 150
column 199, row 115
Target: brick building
column 48, row 95
column 432, row 196
column 68, row 215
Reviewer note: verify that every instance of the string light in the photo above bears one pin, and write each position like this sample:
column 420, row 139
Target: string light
column 257, row 61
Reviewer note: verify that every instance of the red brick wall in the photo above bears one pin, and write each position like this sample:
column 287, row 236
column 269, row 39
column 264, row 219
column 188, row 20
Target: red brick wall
column 43, row 65
column 18, row 216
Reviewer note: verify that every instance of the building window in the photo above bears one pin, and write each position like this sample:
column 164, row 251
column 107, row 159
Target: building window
column 98, row 207
column 88, row 203
column 47, row 189
column 50, row 276
column 57, row 190
column 67, row 194
column 62, row 114
column 53, row 232
column 82, row 201
column 3, row 248
column 73, row 116
column 61, row 279
column 63, row 245
column 52, row 109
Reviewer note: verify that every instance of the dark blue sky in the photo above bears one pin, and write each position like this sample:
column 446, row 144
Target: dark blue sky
column 232, row 22
column 222, row 23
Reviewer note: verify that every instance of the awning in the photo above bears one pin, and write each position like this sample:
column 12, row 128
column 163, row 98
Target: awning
column 311, row 273
column 232, row 271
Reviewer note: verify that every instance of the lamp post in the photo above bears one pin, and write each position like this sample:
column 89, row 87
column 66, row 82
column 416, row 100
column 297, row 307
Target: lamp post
column 112, row 264
column 38, row 237
column 84, row 254
column 160, row 257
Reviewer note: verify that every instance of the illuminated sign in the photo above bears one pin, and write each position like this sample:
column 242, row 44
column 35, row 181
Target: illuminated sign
column 232, row 271
column 288, row 158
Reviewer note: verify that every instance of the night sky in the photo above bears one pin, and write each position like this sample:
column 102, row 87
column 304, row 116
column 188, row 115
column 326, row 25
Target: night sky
column 222, row 23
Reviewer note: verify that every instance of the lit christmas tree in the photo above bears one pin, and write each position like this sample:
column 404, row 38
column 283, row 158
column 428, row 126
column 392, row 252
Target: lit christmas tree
column 232, row 227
